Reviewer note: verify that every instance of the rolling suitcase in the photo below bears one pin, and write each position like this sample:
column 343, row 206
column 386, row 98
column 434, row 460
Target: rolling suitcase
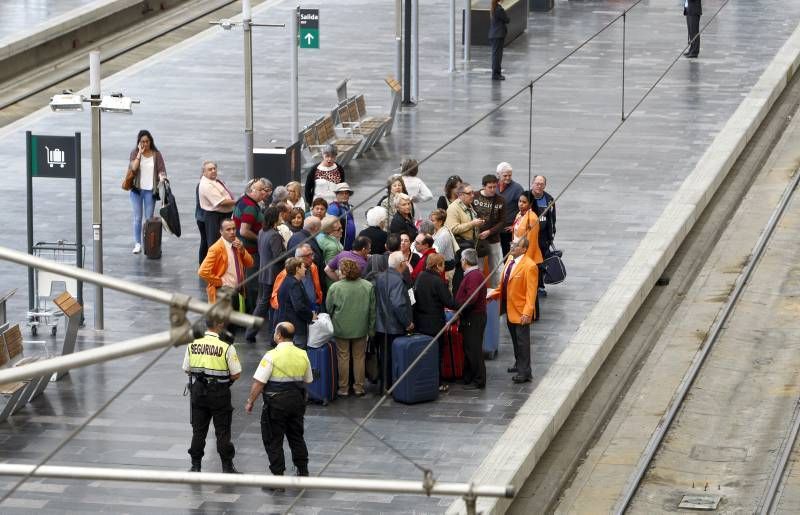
column 452, row 366
column 422, row 383
column 152, row 238
column 491, row 335
column 325, row 372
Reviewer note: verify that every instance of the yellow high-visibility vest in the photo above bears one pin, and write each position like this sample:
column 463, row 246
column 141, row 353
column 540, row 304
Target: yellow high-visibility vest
column 208, row 356
column 288, row 364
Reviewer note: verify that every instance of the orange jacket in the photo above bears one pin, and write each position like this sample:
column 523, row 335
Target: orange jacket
column 528, row 225
column 314, row 271
column 522, row 288
column 214, row 265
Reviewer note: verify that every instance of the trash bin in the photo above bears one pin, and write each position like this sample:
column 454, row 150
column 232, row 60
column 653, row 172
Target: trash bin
column 279, row 162
column 541, row 5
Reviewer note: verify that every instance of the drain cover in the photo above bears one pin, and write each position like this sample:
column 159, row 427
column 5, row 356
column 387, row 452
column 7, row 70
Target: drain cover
column 700, row 501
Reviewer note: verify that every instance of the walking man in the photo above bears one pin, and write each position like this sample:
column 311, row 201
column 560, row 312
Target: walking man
column 280, row 379
column 213, row 366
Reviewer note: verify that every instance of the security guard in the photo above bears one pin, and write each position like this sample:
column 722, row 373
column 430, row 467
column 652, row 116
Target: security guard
column 281, row 377
column 213, row 366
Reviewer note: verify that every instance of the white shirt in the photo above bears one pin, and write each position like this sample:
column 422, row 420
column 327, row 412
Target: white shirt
column 229, row 278
column 417, row 189
column 443, row 243
column 146, row 166
column 264, row 370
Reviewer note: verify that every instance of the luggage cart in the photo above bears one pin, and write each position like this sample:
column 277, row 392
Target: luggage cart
column 45, row 313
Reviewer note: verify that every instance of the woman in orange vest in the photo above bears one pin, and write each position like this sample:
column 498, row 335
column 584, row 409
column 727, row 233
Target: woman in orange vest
column 527, row 224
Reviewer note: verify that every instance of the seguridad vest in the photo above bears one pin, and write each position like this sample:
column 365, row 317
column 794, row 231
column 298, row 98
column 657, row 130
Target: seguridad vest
column 208, row 356
column 289, row 366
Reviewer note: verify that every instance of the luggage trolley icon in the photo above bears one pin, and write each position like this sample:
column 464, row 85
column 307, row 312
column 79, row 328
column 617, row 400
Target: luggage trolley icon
column 55, row 157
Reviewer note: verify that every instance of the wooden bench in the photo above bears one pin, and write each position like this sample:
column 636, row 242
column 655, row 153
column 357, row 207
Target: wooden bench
column 323, row 132
column 17, row 394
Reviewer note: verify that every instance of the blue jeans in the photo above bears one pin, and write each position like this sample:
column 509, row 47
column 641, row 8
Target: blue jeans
column 141, row 198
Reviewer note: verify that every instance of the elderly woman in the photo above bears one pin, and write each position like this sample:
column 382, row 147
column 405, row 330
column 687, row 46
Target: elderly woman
column 295, row 198
column 293, row 304
column 147, row 164
column 432, row 296
column 443, row 241
column 347, row 303
column 281, row 194
column 376, row 229
column 403, row 219
column 450, row 192
column 319, row 208
column 283, row 225
column 394, row 186
column 328, row 238
column 416, row 189
column 324, row 177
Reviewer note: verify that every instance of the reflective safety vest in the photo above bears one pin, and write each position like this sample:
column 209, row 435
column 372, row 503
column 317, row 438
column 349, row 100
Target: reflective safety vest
column 208, row 356
column 289, row 366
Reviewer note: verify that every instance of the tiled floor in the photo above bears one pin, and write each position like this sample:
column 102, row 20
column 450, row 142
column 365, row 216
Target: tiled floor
column 191, row 101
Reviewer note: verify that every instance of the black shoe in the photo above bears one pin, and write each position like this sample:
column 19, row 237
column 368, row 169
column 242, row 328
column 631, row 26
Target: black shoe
column 512, row 370
column 498, row 77
column 195, row 467
column 542, row 292
column 228, row 468
column 302, row 472
column 521, row 379
column 691, row 56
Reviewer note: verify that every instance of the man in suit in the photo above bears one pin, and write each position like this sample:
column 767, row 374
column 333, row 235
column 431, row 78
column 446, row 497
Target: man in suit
column 498, row 28
column 225, row 263
column 517, row 294
column 692, row 9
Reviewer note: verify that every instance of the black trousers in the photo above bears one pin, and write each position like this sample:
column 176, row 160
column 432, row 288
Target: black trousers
column 213, row 224
column 262, row 309
column 521, row 341
column 472, row 328
column 497, row 55
column 693, row 25
column 211, row 402
column 283, row 415
column 201, row 255
column 505, row 242
column 385, row 358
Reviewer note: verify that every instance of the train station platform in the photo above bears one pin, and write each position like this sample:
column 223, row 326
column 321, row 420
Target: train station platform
column 618, row 223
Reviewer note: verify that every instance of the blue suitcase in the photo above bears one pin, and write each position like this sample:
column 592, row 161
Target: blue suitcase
column 422, row 383
column 325, row 370
column 491, row 335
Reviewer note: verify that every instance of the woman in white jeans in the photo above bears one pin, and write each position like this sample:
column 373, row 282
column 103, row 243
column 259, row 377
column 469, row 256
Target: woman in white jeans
column 148, row 166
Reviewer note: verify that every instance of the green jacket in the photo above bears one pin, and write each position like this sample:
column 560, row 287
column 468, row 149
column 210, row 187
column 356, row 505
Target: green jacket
column 346, row 306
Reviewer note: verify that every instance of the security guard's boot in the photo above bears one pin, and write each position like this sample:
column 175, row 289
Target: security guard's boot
column 271, row 490
column 302, row 471
column 195, row 466
column 228, row 468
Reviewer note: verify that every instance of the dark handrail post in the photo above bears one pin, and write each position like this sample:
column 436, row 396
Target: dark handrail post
column 624, row 27
column 530, row 136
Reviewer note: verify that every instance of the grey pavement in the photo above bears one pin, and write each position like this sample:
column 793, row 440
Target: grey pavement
column 191, row 101
column 22, row 16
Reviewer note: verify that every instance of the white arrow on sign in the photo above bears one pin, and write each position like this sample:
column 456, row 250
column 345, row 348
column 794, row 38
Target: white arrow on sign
column 309, row 37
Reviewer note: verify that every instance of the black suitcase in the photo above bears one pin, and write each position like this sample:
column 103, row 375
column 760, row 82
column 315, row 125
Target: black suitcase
column 554, row 270
column 152, row 238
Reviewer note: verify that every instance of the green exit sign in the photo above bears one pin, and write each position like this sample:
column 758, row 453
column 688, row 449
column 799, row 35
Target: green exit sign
column 309, row 38
column 309, row 28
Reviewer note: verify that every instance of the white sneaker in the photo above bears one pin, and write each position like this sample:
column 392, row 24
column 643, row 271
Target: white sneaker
column 137, row 248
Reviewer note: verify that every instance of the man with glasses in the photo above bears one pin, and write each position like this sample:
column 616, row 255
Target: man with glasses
column 463, row 222
column 249, row 218
column 510, row 190
column 311, row 282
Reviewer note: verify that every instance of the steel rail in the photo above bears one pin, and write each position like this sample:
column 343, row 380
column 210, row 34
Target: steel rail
column 716, row 330
column 266, row 480
column 767, row 505
column 139, row 290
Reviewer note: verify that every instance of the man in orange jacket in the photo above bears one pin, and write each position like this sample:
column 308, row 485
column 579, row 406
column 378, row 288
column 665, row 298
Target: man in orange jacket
column 517, row 294
column 225, row 263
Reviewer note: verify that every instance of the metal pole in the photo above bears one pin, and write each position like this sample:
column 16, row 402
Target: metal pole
column 29, row 213
column 97, row 184
column 295, row 75
column 247, row 19
column 139, row 290
column 407, row 53
column 467, row 29
column 452, row 9
column 78, row 216
column 624, row 13
column 398, row 42
column 530, row 140
column 415, row 50
column 293, row 482
column 89, row 357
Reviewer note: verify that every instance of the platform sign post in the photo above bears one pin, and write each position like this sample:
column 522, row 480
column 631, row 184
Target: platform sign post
column 309, row 28
column 56, row 157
